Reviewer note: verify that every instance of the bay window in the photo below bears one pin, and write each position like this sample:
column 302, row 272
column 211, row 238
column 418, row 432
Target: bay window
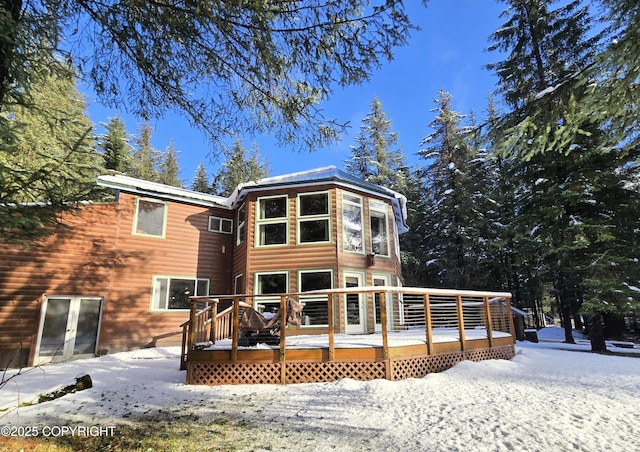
column 272, row 221
column 315, row 312
column 352, row 230
column 314, row 223
column 379, row 228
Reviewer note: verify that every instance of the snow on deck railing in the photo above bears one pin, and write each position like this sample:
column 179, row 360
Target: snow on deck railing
column 472, row 315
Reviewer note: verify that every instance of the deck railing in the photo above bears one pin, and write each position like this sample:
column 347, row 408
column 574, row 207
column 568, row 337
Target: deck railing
column 464, row 315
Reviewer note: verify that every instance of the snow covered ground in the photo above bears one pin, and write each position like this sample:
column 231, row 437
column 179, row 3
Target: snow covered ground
column 544, row 399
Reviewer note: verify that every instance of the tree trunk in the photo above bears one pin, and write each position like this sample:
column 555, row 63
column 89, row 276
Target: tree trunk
column 564, row 300
column 596, row 334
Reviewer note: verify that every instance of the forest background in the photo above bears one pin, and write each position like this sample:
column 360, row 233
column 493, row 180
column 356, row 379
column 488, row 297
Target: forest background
column 538, row 194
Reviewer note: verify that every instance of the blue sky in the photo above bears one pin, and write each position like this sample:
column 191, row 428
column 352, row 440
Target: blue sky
column 448, row 52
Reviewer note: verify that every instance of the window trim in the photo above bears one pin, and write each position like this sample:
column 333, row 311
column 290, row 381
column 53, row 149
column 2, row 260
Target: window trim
column 269, row 299
column 384, row 212
column 362, row 224
column 305, row 218
column 220, row 229
column 155, row 281
column 236, row 279
column 136, row 212
column 278, row 220
column 241, row 225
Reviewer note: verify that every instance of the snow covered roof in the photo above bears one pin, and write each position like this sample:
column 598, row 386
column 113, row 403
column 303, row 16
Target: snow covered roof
column 312, row 177
column 143, row 187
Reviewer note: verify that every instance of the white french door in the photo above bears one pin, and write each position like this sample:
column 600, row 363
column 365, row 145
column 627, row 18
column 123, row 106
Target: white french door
column 69, row 328
column 382, row 280
column 355, row 312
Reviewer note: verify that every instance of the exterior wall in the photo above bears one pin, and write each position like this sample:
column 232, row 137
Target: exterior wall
column 188, row 250
column 75, row 260
column 98, row 255
column 293, row 257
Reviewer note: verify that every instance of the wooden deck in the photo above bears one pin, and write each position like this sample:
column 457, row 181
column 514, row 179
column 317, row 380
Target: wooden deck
column 419, row 331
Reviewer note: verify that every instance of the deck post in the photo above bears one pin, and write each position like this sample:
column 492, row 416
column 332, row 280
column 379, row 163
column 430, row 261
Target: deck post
column 234, row 329
column 192, row 326
column 383, row 320
column 487, row 308
column 214, row 321
column 460, row 321
column 385, row 337
column 512, row 327
column 427, row 323
column 283, row 340
column 332, row 345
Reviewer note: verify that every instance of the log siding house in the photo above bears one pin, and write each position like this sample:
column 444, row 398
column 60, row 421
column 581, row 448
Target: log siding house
column 119, row 276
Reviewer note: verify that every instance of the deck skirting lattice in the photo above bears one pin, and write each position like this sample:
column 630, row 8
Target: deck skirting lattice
column 222, row 373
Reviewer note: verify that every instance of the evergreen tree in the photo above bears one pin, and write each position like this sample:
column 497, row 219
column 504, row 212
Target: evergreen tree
column 230, row 66
column 452, row 220
column 48, row 156
column 547, row 47
column 374, row 158
column 200, row 180
column 169, row 167
column 115, row 146
column 239, row 167
column 145, row 157
column 411, row 242
column 565, row 173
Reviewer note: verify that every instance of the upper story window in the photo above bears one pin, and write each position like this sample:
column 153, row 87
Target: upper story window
column 352, row 230
column 379, row 227
column 314, row 221
column 150, row 218
column 242, row 224
column 272, row 221
column 173, row 293
column 217, row 224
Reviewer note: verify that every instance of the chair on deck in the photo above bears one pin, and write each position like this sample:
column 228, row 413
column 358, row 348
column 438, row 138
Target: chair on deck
column 256, row 328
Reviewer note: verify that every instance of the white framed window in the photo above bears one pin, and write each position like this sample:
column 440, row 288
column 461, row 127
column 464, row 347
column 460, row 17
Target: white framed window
column 223, row 225
column 352, row 230
column 242, row 224
column 314, row 219
column 268, row 284
column 315, row 312
column 379, row 227
column 272, row 221
column 150, row 218
column 173, row 292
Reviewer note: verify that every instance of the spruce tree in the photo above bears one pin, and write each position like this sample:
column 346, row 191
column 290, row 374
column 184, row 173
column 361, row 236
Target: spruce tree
column 452, row 221
column 375, row 157
column 145, row 157
column 565, row 174
column 169, row 170
column 200, row 180
column 241, row 166
column 47, row 157
column 115, row 147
